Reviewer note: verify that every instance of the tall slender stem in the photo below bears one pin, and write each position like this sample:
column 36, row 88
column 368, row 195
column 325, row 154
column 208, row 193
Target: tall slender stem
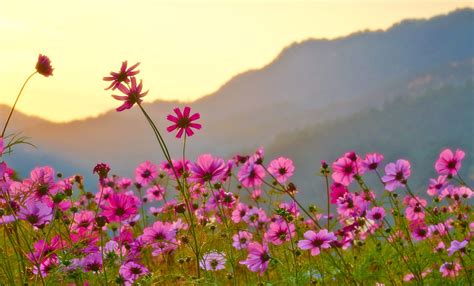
column 14, row 105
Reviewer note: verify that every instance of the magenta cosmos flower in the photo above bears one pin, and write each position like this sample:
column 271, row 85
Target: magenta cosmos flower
column 145, row 173
column 258, row 257
column 183, row 121
column 208, row 169
column 36, row 213
column 448, row 162
column 282, row 169
column 315, row 241
column 131, row 271
column 251, row 174
column 396, row 174
column 132, row 95
column 43, row 66
column 213, row 261
column 119, row 207
column 344, row 170
column 279, row 232
column 122, row 76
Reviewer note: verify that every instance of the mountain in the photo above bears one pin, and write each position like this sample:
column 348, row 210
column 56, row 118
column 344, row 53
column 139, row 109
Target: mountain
column 412, row 128
column 309, row 83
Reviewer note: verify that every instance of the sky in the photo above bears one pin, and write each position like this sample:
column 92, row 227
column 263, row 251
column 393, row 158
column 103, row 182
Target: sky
column 187, row 49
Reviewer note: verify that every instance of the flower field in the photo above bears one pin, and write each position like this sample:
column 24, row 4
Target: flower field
column 233, row 221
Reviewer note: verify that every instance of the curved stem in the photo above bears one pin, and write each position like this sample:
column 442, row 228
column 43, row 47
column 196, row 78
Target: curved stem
column 14, row 104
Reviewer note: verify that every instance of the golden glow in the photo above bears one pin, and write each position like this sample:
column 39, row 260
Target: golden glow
column 187, row 48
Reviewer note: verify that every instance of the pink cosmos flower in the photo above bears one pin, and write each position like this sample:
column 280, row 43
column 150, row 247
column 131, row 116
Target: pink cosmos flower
column 155, row 193
column 255, row 217
column 132, row 271
column 251, row 174
column 132, row 95
column 207, row 169
column 242, row 239
column 372, row 161
column 282, row 169
column 159, row 232
column 396, row 174
column 450, row 269
column 317, row 241
column 119, row 207
column 83, row 221
column 239, row 212
column 448, row 162
column 419, row 230
column 145, row 173
column 183, row 122
column 43, row 66
column 344, row 170
column 415, row 209
column 457, row 246
column 36, row 213
column 213, row 261
column 44, row 250
column 92, row 262
column 376, row 214
column 337, row 191
column 258, row 257
column 279, row 232
column 122, row 76
column 436, row 185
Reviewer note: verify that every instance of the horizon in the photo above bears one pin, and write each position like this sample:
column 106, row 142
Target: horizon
column 91, row 100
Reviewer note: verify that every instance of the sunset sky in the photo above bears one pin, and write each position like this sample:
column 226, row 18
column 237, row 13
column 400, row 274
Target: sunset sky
column 187, row 48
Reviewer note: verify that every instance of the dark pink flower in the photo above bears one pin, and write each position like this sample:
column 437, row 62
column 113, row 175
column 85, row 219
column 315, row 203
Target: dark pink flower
column 183, row 121
column 145, row 173
column 83, row 221
column 337, row 191
column 396, row 174
column 132, row 95
column 43, row 66
column 258, row 257
column 315, row 241
column 344, row 170
column 207, row 169
column 448, row 162
column 376, row 213
column 282, row 169
column 102, row 170
column 122, row 76
column 119, row 207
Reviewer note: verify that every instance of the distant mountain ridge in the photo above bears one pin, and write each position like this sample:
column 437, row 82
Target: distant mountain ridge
column 308, row 83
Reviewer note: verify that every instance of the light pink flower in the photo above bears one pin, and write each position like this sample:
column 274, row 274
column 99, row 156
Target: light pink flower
column 316, row 241
column 372, row 161
column 450, row 269
column 282, row 169
column 213, row 261
column 251, row 174
column 344, row 170
column 279, row 232
column 396, row 174
column 36, row 213
column 242, row 239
